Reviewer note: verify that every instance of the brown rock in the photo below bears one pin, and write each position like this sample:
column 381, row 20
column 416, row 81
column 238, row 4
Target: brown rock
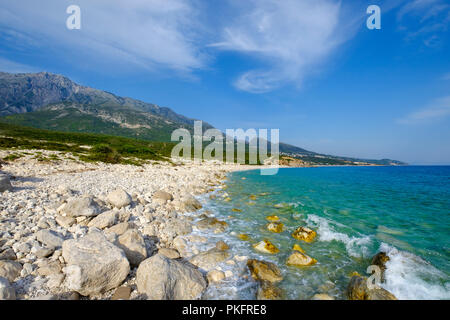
column 122, row 293
column 221, row 245
column 264, row 271
column 358, row 290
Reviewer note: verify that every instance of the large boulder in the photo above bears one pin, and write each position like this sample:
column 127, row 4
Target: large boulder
column 264, row 271
column 380, row 260
column 5, row 183
column 10, row 270
column 49, row 238
column 94, row 265
column 161, row 278
column 7, row 292
column 133, row 244
column 85, row 206
column 358, row 290
column 209, row 259
column 104, row 220
column 119, row 198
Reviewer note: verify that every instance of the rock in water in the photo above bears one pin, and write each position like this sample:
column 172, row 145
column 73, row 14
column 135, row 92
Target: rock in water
column 268, row 291
column 5, row 184
column 191, row 204
column 276, row 227
column 358, row 290
column 94, row 265
column 221, row 245
column 162, row 196
column 304, row 233
column 49, row 238
column 299, row 259
column 7, row 292
column 215, row 276
column 209, row 259
column 380, row 260
column 264, row 271
column 133, row 244
column 322, row 296
column 10, row 270
column 85, row 206
column 119, row 198
column 266, row 246
column 161, row 278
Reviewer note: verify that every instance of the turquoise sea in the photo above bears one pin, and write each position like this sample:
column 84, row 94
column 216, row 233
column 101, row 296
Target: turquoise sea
column 356, row 212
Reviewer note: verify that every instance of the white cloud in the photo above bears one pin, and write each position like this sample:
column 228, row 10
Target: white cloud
column 437, row 110
column 289, row 37
column 150, row 34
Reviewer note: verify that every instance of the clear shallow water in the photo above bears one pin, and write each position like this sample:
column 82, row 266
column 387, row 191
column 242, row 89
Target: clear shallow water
column 356, row 211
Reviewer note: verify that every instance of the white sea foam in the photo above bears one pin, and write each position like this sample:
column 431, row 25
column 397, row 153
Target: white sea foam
column 355, row 246
column 410, row 277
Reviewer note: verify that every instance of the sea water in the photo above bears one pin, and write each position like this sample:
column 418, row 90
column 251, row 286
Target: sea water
column 356, row 212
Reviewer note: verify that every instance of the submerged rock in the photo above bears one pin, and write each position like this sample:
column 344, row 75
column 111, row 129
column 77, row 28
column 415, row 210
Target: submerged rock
column 298, row 259
column 221, row 245
column 358, row 290
column 243, row 237
column 94, row 265
column 215, row 276
column 209, row 259
column 304, row 233
column 161, row 278
column 266, row 246
column 273, row 218
column 268, row 291
column 264, row 271
column 276, row 227
column 322, row 296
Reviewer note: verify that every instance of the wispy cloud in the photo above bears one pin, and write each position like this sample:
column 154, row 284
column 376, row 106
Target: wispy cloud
column 289, row 37
column 14, row 67
column 437, row 110
column 150, row 34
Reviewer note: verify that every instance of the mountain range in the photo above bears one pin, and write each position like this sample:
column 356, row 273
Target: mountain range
column 50, row 101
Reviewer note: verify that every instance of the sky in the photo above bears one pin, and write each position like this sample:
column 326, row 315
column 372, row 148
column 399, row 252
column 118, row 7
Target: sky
column 310, row 68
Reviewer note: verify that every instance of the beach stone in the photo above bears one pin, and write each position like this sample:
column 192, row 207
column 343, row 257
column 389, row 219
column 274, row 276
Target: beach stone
column 49, row 268
column 266, row 246
column 304, row 233
column 104, row 220
column 207, row 260
column 162, row 196
column 161, row 278
column 133, row 244
column 5, row 183
column 358, row 290
column 85, row 206
column 7, row 292
column 191, row 204
column 276, row 227
column 221, row 245
column 10, row 270
column 169, row 253
column 119, row 198
column 243, row 237
column 322, row 296
column 49, row 238
column 273, row 218
column 268, row 291
column 215, row 276
column 120, row 228
column 65, row 222
column 180, row 244
column 298, row 259
column 94, row 265
column 297, row 247
column 8, row 254
column 264, row 271
column 122, row 293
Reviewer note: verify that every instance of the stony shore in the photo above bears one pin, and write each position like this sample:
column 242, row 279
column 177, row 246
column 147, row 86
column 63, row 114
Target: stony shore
column 71, row 229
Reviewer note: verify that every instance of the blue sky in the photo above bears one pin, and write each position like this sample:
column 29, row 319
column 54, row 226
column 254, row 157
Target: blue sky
column 310, row 68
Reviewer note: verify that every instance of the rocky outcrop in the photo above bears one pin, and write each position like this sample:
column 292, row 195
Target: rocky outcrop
column 161, row 278
column 358, row 290
column 94, row 265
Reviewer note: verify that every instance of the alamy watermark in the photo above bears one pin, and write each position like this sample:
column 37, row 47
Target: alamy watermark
column 238, row 146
